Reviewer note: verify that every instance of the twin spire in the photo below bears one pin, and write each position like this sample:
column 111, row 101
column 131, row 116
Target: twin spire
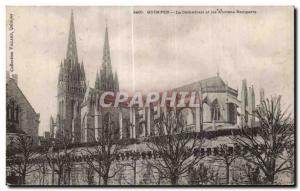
column 71, row 69
column 106, row 80
column 72, row 48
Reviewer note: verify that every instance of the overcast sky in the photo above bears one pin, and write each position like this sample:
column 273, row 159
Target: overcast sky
column 155, row 52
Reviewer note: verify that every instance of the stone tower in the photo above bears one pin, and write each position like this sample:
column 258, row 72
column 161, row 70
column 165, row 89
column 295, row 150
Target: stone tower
column 261, row 95
column 247, row 105
column 251, row 107
column 70, row 90
column 244, row 103
column 106, row 80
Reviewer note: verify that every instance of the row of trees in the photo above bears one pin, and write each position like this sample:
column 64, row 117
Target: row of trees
column 267, row 150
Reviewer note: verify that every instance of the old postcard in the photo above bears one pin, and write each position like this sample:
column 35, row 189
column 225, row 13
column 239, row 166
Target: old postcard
column 150, row 96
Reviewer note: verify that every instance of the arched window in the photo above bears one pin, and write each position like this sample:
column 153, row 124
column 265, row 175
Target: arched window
column 142, row 129
column 8, row 112
column 215, row 111
column 12, row 111
column 126, row 130
column 232, row 113
column 17, row 113
column 63, row 108
column 188, row 118
column 107, row 123
column 83, row 127
column 107, row 118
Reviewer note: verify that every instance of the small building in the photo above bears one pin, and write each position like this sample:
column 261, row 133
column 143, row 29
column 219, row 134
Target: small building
column 21, row 118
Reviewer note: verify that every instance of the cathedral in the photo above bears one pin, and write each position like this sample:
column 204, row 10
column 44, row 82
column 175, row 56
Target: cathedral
column 80, row 119
column 72, row 88
column 79, row 115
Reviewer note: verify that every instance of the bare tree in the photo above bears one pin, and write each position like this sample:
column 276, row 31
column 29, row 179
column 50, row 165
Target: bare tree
column 146, row 174
column 89, row 174
column 226, row 157
column 21, row 151
column 252, row 173
column 132, row 165
column 59, row 159
column 291, row 156
column 104, row 151
column 176, row 147
column 266, row 146
column 42, row 168
column 203, row 175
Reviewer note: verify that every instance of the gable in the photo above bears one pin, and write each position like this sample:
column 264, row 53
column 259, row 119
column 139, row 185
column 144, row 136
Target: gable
column 13, row 91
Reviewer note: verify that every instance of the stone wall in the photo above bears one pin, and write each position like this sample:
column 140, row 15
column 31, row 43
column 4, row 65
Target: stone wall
column 29, row 119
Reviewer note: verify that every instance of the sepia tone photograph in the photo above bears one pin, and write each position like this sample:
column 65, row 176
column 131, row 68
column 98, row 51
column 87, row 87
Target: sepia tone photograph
column 150, row 96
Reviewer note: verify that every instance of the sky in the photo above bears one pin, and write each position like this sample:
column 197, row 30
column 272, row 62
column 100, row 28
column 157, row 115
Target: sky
column 154, row 52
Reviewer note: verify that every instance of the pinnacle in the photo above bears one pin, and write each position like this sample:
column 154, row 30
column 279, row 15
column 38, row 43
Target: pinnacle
column 72, row 48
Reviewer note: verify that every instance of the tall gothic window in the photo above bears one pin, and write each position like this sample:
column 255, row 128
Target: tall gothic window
column 8, row 112
column 83, row 126
column 59, row 107
column 17, row 113
column 188, row 118
column 107, row 123
column 72, row 106
column 215, row 111
column 62, row 109
column 126, row 126
column 12, row 111
column 232, row 113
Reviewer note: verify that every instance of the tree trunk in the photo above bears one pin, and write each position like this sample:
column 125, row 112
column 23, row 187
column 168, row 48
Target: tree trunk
column 52, row 177
column 99, row 179
column 134, row 172
column 43, row 180
column 159, row 178
column 292, row 171
column 105, row 179
column 59, row 179
column 23, row 178
column 174, row 179
column 69, row 177
column 24, row 174
column 270, row 179
column 227, row 173
column 271, row 170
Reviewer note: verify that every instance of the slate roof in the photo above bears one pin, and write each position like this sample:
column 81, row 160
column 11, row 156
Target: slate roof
column 215, row 81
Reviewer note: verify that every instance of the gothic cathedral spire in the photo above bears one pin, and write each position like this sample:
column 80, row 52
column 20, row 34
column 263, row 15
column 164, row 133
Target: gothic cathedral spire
column 70, row 90
column 106, row 81
column 116, row 82
column 106, row 51
column 72, row 48
column 97, row 82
